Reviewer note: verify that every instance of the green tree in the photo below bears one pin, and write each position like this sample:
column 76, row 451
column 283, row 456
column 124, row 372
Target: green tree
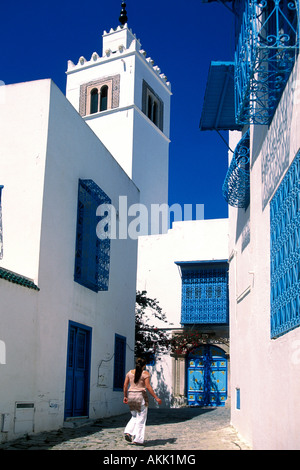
column 149, row 339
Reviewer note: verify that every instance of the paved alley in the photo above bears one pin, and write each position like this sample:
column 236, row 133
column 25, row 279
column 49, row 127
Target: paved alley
column 182, row 429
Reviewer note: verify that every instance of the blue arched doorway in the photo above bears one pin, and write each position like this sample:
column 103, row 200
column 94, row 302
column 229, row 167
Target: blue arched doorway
column 207, row 376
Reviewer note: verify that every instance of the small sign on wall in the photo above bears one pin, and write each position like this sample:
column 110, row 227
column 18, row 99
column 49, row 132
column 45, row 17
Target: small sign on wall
column 53, row 406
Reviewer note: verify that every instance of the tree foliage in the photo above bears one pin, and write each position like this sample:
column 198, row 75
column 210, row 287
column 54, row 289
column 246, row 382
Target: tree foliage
column 149, row 339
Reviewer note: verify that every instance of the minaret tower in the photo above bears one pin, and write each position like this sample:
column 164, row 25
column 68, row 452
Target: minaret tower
column 125, row 99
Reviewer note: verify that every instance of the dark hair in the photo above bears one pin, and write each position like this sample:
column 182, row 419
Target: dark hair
column 139, row 364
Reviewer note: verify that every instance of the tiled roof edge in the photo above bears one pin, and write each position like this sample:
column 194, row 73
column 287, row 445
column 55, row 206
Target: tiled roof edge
column 17, row 279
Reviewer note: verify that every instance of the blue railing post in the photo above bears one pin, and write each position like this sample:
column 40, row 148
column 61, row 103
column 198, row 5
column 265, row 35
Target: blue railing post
column 236, row 187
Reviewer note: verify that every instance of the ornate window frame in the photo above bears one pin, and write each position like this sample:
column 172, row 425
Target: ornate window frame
column 113, row 94
column 152, row 106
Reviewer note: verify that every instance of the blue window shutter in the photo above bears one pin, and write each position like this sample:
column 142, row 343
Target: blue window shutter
column 92, row 259
column 119, row 364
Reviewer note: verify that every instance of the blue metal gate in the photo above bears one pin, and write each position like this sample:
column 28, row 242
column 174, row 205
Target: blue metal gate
column 207, row 377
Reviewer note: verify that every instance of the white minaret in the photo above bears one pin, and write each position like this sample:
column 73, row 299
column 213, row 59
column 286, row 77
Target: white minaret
column 125, row 99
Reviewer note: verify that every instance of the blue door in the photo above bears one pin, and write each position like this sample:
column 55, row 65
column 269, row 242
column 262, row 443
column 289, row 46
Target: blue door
column 207, row 377
column 78, row 371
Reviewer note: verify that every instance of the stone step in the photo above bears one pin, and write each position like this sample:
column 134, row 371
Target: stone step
column 77, row 422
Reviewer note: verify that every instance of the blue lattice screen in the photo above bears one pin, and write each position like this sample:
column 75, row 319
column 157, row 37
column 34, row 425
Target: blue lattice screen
column 92, row 259
column 205, row 294
column 236, row 187
column 285, row 252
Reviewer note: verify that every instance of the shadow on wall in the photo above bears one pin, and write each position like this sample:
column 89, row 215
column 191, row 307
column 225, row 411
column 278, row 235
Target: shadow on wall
column 162, row 389
column 243, row 227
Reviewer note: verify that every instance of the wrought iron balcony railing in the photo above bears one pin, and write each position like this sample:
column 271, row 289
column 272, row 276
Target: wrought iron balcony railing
column 266, row 51
column 236, row 187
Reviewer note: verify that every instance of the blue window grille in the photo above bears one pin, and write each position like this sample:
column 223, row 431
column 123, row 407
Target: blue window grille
column 120, row 361
column 205, row 294
column 285, row 252
column 1, row 230
column 236, row 187
column 92, row 257
column 266, row 51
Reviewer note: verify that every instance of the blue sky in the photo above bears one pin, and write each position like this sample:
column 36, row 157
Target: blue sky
column 38, row 38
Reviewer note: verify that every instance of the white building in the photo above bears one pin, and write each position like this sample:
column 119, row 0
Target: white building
column 62, row 329
column 125, row 99
column 68, row 296
column 262, row 188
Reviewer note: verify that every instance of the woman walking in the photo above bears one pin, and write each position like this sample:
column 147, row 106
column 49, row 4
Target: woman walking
column 136, row 397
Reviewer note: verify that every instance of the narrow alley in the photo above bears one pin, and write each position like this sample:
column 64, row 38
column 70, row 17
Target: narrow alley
column 180, row 429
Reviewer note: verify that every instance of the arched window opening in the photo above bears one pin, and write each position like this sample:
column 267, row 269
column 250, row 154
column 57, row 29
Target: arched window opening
column 103, row 98
column 94, row 101
column 152, row 106
column 155, row 110
column 149, row 114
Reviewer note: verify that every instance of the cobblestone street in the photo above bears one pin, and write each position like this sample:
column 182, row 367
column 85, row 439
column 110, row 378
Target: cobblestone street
column 182, row 429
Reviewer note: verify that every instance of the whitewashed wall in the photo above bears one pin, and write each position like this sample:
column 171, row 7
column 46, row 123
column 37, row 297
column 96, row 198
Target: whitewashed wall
column 266, row 370
column 59, row 148
column 23, row 144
